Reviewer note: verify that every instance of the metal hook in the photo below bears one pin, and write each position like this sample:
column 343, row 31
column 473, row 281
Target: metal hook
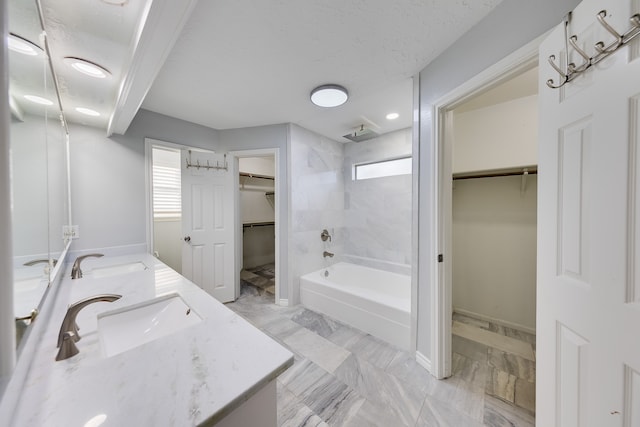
column 565, row 77
column 553, row 64
column 573, row 41
column 552, row 86
column 613, row 46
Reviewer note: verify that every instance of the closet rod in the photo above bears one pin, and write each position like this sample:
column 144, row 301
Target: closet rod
column 258, row 224
column 254, row 175
column 529, row 170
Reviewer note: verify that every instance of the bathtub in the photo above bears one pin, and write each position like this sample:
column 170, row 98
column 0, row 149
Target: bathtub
column 375, row 301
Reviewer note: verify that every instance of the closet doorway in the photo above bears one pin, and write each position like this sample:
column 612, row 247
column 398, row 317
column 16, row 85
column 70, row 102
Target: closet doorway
column 256, row 209
column 492, row 138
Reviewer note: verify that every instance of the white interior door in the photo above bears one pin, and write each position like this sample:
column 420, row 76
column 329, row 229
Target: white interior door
column 588, row 348
column 208, row 223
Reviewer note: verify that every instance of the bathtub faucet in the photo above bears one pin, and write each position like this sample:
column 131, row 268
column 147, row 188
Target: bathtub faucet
column 327, row 254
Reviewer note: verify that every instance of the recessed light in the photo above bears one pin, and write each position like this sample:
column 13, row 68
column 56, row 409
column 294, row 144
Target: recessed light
column 329, row 95
column 22, row 45
column 38, row 100
column 392, row 116
column 87, row 67
column 87, row 111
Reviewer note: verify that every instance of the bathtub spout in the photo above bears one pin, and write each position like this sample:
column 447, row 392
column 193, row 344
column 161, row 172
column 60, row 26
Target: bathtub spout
column 327, row 254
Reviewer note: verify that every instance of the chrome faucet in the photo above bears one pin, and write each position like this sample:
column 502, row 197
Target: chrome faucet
column 47, row 268
column 327, row 254
column 76, row 272
column 325, row 235
column 39, row 261
column 68, row 335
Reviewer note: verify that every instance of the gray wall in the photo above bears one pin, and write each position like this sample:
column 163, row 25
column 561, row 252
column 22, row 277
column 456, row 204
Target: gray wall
column 508, row 27
column 108, row 176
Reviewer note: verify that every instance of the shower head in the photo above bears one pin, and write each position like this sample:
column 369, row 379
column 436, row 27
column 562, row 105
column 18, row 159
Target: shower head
column 361, row 134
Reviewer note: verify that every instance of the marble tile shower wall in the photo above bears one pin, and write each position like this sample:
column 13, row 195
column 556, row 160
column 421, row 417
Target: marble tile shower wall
column 317, row 201
column 377, row 222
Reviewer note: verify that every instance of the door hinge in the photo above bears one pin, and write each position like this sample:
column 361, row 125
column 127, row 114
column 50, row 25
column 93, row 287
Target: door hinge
column 440, row 258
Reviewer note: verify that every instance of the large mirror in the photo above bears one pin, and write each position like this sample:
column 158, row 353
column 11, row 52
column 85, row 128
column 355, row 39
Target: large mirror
column 39, row 171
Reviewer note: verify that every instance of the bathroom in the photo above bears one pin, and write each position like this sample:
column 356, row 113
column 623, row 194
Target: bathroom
column 315, row 185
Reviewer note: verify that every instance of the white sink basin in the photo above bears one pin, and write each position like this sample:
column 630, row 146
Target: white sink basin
column 123, row 329
column 27, row 294
column 113, row 270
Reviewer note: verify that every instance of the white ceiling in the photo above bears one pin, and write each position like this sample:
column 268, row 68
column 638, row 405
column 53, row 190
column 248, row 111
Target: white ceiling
column 240, row 63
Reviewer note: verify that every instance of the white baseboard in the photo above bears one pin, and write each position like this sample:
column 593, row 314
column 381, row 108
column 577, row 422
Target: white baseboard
column 506, row 323
column 423, row 361
column 284, row 302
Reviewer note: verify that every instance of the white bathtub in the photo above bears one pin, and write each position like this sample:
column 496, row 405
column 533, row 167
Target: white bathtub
column 375, row 301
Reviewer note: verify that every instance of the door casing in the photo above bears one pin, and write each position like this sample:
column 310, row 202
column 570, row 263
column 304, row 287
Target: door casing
column 441, row 215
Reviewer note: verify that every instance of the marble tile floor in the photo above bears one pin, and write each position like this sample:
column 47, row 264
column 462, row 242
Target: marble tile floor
column 261, row 277
column 345, row 377
column 509, row 356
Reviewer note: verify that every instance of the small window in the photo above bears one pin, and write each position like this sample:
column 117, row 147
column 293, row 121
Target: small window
column 384, row 168
column 167, row 201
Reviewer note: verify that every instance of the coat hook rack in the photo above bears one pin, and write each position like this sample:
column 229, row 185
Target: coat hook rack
column 218, row 166
column 602, row 50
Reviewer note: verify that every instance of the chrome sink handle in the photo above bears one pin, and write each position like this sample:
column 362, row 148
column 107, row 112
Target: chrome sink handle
column 76, row 272
column 68, row 335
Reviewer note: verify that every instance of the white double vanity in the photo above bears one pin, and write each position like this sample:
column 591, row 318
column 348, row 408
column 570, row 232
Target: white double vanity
column 164, row 353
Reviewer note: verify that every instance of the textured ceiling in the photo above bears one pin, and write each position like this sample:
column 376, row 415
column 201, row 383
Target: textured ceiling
column 241, row 63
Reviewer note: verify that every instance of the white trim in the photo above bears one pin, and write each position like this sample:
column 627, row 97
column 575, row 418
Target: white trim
column 283, row 302
column 423, row 361
column 501, row 322
column 415, row 216
column 280, row 189
column 441, row 300
column 159, row 30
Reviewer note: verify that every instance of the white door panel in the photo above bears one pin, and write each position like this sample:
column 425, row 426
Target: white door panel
column 588, row 349
column 208, row 224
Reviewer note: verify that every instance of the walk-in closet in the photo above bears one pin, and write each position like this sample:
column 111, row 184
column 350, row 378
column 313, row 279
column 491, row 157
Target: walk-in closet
column 257, row 198
column 493, row 238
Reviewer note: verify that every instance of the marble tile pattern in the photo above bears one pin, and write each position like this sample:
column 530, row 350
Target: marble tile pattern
column 192, row 377
column 344, row 377
column 261, row 277
column 378, row 211
column 317, row 200
column 368, row 220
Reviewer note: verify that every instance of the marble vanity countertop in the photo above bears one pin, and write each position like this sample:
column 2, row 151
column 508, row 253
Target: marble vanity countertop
column 192, row 377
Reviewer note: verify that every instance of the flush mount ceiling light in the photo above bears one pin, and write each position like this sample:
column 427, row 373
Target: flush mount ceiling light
column 38, row 100
column 329, row 95
column 392, row 116
column 87, row 111
column 87, row 67
column 22, row 45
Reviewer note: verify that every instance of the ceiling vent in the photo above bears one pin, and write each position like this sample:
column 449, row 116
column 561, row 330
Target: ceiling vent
column 361, row 134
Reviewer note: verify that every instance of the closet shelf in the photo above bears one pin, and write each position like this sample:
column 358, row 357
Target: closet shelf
column 530, row 170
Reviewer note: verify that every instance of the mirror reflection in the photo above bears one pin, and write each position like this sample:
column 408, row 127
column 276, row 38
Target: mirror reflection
column 38, row 163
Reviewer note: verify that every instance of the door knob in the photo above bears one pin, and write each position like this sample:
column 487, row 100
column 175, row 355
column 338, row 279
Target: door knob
column 187, row 239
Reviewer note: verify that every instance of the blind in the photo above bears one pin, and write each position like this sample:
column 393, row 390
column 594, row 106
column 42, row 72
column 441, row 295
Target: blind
column 167, row 202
